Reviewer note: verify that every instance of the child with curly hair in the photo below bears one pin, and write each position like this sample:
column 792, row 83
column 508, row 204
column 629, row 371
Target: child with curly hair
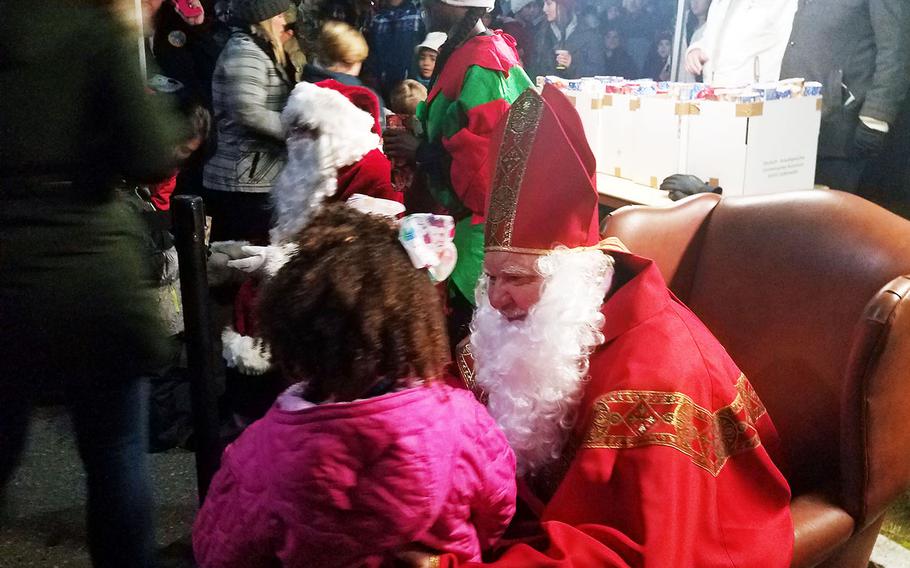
column 369, row 452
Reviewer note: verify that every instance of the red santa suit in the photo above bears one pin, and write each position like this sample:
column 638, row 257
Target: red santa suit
column 670, row 462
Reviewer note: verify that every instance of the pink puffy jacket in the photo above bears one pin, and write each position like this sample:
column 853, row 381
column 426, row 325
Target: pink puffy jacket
column 343, row 484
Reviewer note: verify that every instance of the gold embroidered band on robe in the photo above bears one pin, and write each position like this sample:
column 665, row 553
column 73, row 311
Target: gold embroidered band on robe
column 514, row 150
column 464, row 357
column 634, row 419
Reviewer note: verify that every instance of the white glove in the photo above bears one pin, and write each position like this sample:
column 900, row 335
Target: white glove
column 233, row 249
column 222, row 252
column 270, row 258
column 253, row 259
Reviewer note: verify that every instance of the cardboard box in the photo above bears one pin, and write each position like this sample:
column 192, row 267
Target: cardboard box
column 746, row 148
column 588, row 102
column 617, row 134
column 658, row 149
column 755, row 148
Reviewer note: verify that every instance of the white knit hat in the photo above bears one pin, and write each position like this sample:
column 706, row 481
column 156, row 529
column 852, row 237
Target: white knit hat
column 488, row 4
column 434, row 41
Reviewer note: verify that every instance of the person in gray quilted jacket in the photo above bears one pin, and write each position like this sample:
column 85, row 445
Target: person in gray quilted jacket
column 252, row 81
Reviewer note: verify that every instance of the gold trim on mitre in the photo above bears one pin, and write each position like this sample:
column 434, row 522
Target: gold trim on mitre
column 514, row 150
column 606, row 245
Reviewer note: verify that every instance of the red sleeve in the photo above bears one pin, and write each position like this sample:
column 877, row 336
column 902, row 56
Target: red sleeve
column 565, row 546
column 161, row 193
column 371, row 175
column 469, row 149
column 654, row 507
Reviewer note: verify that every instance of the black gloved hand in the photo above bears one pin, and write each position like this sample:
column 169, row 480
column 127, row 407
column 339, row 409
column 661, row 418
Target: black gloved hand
column 684, row 185
column 868, row 142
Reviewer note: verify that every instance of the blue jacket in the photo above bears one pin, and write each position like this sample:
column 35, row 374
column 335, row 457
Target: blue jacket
column 392, row 36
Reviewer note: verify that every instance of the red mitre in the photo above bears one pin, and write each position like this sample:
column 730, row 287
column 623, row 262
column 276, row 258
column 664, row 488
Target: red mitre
column 362, row 97
column 544, row 191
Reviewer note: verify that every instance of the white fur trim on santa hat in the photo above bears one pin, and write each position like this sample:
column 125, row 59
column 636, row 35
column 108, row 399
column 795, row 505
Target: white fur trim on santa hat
column 333, row 115
column 326, row 132
column 247, row 354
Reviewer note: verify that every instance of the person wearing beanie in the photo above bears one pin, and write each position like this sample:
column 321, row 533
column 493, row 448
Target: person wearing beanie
column 253, row 78
column 565, row 47
column 478, row 74
column 255, row 11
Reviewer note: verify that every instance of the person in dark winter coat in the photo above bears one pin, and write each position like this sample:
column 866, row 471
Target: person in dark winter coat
column 186, row 52
column 657, row 66
column 392, row 35
column 617, row 61
column 566, row 47
column 860, row 51
column 76, row 306
column 252, row 81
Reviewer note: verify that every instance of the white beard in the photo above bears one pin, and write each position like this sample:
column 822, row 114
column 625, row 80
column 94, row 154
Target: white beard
column 534, row 370
column 307, row 179
column 340, row 135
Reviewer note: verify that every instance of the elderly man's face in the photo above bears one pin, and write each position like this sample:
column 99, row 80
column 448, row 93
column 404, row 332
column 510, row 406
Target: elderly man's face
column 514, row 282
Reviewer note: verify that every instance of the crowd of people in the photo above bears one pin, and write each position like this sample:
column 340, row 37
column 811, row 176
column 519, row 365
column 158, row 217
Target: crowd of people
column 430, row 355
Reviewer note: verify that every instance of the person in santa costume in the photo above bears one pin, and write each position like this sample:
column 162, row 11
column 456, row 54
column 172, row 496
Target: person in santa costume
column 477, row 76
column 334, row 153
column 638, row 440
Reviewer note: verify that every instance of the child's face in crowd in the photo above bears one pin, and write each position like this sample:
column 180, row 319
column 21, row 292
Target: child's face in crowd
column 663, row 48
column 426, row 62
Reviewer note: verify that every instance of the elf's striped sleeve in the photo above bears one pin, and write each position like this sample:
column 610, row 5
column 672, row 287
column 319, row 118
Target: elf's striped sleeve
column 467, row 125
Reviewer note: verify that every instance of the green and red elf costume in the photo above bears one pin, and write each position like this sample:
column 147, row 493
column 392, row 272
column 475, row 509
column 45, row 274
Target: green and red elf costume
column 472, row 93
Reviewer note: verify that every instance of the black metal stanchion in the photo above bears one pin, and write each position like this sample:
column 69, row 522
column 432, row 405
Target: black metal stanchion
column 189, row 229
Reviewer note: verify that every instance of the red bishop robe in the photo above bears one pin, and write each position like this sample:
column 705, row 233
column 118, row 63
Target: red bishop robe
column 669, row 464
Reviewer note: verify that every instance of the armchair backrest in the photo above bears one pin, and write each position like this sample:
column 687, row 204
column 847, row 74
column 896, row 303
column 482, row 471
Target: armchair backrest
column 792, row 285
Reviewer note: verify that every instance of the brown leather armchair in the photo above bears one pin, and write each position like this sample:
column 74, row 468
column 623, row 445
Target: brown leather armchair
column 810, row 294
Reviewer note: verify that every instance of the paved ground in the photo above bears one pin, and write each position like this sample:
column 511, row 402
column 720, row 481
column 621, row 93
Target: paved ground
column 44, row 526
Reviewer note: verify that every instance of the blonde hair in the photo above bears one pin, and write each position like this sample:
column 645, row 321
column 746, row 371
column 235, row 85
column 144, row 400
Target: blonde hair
column 406, row 95
column 340, row 43
column 266, row 31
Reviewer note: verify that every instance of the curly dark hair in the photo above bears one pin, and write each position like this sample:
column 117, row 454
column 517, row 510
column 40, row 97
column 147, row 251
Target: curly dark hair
column 349, row 310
